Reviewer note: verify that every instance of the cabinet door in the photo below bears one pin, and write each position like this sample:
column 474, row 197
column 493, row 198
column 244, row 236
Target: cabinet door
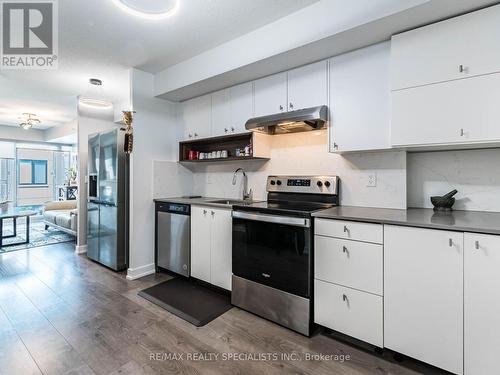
column 221, row 244
column 435, row 53
column 221, row 113
column 241, row 106
column 270, row 95
column 460, row 112
column 308, row 86
column 481, row 303
column 196, row 115
column 360, row 100
column 423, row 295
column 200, row 242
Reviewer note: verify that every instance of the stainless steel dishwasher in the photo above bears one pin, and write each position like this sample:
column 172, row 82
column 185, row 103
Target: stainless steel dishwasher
column 173, row 237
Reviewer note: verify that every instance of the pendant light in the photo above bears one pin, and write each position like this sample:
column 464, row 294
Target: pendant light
column 93, row 97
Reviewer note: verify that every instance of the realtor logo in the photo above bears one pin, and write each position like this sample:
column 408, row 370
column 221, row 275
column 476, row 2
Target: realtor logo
column 29, row 34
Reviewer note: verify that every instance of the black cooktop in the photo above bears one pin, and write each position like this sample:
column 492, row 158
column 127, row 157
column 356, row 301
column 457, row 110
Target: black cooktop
column 290, row 208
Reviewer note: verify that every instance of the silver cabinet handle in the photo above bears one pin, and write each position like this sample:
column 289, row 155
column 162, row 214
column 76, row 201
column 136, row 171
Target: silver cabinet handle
column 213, row 213
column 344, row 249
column 462, row 133
column 461, row 68
column 335, row 146
column 281, row 107
column 195, row 134
column 204, row 212
column 266, row 275
column 477, row 245
column 225, row 130
column 344, row 298
column 190, row 136
column 291, row 105
column 450, row 242
column 232, row 128
column 346, row 230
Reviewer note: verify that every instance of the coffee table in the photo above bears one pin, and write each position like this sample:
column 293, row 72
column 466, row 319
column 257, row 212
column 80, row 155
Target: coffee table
column 14, row 214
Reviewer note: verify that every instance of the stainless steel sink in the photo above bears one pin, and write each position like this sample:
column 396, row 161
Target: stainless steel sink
column 231, row 202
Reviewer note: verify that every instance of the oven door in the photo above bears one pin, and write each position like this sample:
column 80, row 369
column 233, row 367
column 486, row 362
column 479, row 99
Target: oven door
column 273, row 250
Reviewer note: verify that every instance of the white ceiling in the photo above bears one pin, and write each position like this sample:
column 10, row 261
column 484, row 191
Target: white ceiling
column 97, row 39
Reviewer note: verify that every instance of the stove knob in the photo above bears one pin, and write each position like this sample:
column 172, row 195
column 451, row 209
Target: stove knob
column 319, row 183
column 273, row 182
column 327, row 184
column 278, row 182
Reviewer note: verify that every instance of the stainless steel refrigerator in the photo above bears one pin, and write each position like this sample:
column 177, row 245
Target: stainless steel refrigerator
column 107, row 199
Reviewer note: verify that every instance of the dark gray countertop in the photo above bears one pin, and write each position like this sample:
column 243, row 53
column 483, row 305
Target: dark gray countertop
column 462, row 221
column 205, row 201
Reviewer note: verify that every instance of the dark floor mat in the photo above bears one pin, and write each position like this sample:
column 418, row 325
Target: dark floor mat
column 189, row 300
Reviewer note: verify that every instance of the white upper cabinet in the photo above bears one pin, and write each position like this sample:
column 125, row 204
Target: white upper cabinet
column 308, row 86
column 196, row 115
column 360, row 100
column 455, row 112
column 271, row 95
column 221, row 112
column 457, row 48
column 423, row 295
column 241, row 106
column 481, row 303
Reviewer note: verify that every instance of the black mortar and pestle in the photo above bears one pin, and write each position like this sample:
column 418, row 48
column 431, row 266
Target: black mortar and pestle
column 445, row 202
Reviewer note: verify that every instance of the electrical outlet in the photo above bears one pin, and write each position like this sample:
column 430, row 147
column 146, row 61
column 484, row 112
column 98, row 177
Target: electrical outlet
column 209, row 179
column 371, row 179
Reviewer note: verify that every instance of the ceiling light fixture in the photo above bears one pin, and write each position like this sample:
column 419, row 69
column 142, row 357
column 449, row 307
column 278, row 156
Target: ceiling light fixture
column 29, row 121
column 93, row 97
column 131, row 7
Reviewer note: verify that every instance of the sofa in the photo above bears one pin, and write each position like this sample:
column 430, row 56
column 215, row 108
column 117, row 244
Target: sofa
column 62, row 215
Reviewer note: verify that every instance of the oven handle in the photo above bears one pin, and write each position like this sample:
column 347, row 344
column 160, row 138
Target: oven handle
column 286, row 220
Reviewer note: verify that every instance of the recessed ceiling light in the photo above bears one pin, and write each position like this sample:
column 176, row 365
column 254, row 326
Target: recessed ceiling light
column 148, row 9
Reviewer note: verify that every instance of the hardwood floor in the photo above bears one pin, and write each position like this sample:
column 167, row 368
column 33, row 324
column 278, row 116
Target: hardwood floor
column 61, row 313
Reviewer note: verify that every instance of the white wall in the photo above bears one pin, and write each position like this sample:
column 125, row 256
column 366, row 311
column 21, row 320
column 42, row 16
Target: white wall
column 8, row 150
column 306, row 153
column 156, row 133
column 474, row 173
column 89, row 121
column 17, row 134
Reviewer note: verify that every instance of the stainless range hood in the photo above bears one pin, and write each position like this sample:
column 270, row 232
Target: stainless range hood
column 301, row 120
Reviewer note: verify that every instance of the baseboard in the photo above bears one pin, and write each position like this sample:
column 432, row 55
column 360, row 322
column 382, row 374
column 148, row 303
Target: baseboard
column 80, row 249
column 137, row 273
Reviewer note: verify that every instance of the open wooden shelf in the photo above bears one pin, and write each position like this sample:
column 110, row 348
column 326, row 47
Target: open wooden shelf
column 228, row 159
column 229, row 143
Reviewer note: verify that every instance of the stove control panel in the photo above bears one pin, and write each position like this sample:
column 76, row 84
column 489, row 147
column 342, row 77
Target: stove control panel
column 303, row 184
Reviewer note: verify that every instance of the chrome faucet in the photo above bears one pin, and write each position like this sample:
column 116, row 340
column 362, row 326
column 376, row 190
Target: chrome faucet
column 247, row 194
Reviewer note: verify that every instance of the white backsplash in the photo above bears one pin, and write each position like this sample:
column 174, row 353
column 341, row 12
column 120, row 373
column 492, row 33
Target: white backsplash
column 170, row 179
column 474, row 173
column 306, row 153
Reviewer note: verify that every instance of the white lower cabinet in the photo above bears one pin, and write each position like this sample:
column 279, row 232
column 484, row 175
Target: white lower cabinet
column 423, row 295
column 211, row 245
column 221, row 246
column 349, row 311
column 481, row 303
column 348, row 278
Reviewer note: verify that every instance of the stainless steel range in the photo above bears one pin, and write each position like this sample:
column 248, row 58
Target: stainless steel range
column 273, row 249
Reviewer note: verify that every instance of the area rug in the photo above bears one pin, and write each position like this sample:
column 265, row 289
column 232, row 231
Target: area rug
column 38, row 235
